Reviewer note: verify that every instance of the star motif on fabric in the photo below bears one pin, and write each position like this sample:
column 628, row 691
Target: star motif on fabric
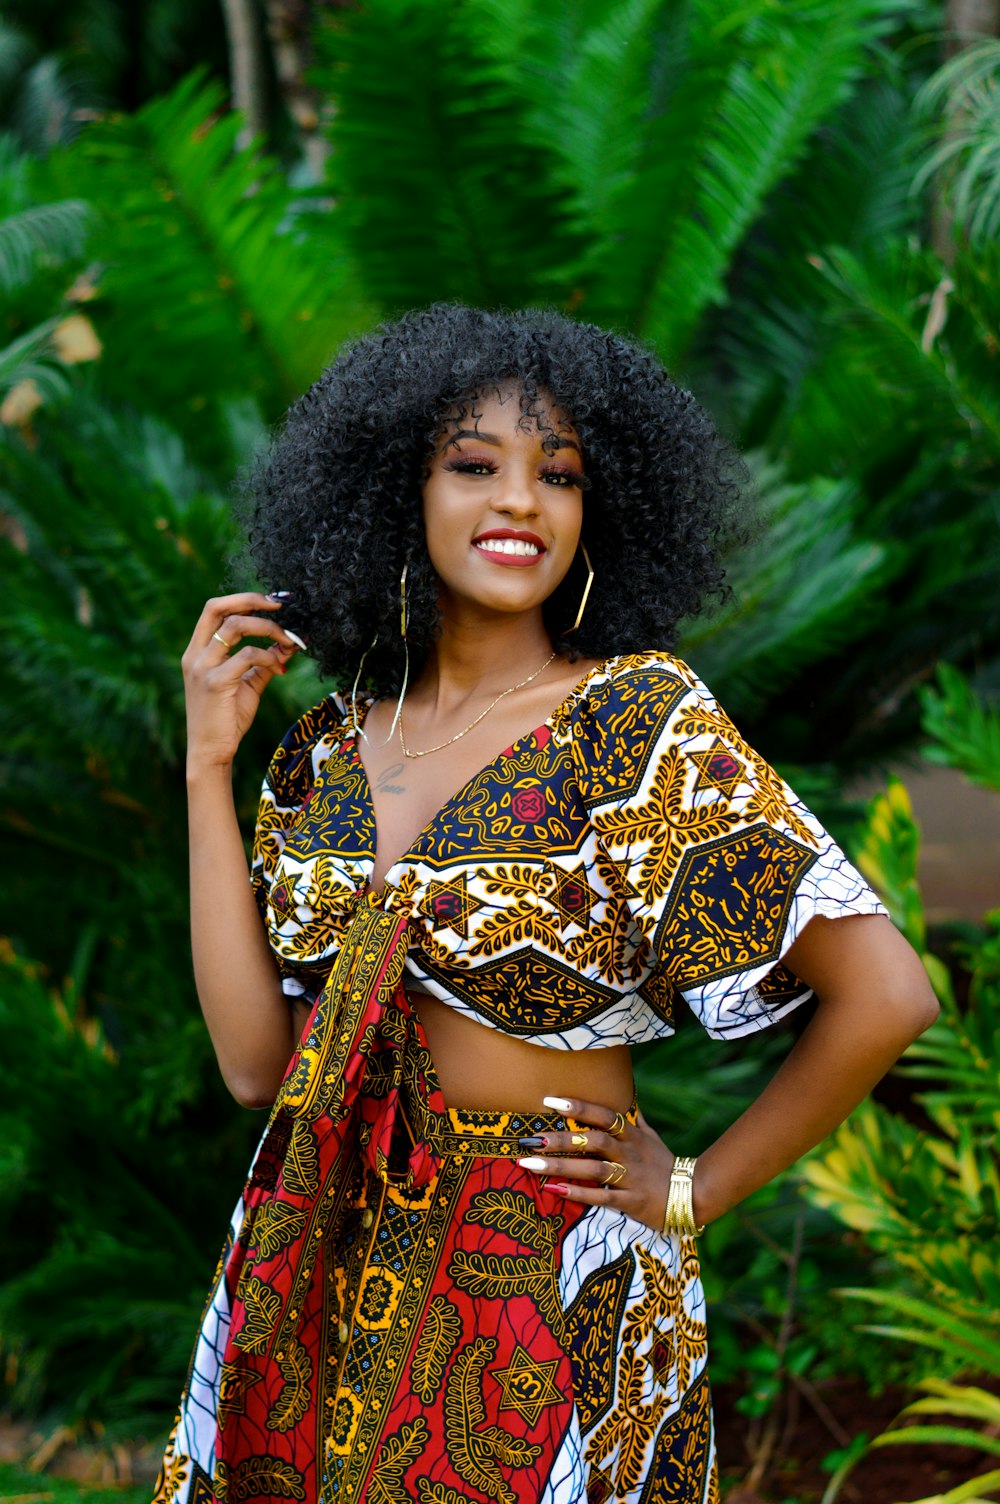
column 573, row 896
column 528, row 1387
column 718, row 768
column 234, row 1384
column 449, row 905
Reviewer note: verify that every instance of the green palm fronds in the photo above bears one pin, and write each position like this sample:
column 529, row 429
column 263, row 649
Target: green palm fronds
column 204, row 264
column 736, row 105
column 52, row 230
column 964, row 98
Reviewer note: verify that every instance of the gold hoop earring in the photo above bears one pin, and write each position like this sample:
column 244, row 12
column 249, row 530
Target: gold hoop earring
column 403, row 614
column 586, row 588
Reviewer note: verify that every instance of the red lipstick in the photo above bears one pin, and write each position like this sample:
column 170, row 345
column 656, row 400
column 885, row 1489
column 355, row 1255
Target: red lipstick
column 507, row 557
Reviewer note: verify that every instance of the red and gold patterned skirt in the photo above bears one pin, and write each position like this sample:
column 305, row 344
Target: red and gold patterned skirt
column 402, row 1313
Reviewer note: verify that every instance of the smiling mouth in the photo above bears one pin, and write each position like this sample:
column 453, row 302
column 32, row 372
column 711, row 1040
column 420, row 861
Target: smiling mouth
column 517, row 548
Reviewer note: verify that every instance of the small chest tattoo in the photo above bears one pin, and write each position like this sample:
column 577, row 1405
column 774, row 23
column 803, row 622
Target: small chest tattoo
column 387, row 781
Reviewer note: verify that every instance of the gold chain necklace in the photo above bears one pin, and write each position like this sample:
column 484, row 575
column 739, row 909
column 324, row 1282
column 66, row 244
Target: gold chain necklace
column 482, row 716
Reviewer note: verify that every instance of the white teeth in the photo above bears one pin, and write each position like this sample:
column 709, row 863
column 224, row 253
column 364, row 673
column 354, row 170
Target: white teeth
column 509, row 546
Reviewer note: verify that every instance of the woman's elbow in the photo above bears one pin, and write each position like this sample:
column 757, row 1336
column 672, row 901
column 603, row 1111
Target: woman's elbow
column 254, row 1090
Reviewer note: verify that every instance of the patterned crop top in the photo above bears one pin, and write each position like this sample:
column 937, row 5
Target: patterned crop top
column 631, row 851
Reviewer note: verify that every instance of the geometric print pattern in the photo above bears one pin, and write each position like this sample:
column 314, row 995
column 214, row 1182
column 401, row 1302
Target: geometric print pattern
column 400, row 1311
column 494, row 1342
column 629, row 853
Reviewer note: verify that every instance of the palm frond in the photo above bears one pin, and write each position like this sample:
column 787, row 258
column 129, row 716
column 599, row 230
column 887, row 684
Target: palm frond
column 204, row 264
column 774, row 336
column 887, row 312
column 442, row 187
column 810, row 584
column 30, row 357
column 965, row 729
column 963, row 100
column 56, row 231
column 731, row 126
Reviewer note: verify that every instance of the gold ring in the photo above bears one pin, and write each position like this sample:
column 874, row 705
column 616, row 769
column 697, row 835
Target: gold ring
column 617, row 1125
column 579, row 1140
column 221, row 639
column 617, row 1175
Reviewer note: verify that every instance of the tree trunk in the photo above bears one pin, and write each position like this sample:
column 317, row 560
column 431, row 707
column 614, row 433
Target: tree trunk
column 966, row 21
column 246, row 66
column 288, row 29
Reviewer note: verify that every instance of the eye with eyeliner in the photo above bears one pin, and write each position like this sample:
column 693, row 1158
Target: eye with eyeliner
column 476, row 465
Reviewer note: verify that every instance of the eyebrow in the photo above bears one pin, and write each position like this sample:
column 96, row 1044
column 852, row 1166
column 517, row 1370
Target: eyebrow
column 491, row 438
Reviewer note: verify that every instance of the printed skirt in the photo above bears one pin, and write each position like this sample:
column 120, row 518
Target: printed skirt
column 402, row 1313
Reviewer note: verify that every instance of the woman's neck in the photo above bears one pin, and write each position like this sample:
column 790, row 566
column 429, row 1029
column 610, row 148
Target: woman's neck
column 472, row 660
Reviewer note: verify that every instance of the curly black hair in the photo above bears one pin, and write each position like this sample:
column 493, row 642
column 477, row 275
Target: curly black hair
column 333, row 508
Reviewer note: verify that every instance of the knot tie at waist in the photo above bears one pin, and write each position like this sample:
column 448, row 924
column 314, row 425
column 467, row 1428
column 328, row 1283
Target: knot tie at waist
column 341, row 1101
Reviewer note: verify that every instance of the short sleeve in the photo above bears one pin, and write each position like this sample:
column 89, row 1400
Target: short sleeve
column 288, row 783
column 719, row 863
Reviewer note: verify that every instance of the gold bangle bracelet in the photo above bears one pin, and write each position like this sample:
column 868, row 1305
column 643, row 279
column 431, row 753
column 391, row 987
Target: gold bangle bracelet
column 679, row 1215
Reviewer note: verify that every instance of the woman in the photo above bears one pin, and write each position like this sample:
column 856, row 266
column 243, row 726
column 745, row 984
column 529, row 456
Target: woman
column 464, row 1268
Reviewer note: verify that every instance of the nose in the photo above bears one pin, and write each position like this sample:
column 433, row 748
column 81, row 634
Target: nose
column 517, row 495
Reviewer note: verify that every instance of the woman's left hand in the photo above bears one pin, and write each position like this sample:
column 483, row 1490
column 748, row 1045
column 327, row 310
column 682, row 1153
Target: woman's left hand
column 641, row 1192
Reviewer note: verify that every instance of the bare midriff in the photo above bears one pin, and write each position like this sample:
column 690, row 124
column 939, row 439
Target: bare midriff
column 482, row 1068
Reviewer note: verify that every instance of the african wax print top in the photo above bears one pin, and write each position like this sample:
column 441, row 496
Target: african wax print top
column 629, row 852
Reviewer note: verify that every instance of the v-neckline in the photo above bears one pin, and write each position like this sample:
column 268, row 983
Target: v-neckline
column 509, row 751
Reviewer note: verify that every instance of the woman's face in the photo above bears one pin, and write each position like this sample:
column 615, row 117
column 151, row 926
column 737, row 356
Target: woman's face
column 503, row 505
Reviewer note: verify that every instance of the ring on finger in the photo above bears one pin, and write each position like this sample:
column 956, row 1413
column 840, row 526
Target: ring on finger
column 219, row 638
column 617, row 1125
column 616, row 1173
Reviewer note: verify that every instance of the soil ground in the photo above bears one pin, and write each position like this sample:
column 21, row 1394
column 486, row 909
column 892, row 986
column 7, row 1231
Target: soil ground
column 892, row 1475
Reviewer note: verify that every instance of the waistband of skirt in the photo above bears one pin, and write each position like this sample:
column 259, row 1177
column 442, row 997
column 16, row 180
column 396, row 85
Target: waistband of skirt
column 474, row 1133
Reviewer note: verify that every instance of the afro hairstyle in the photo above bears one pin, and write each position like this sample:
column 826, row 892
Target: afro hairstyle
column 333, row 506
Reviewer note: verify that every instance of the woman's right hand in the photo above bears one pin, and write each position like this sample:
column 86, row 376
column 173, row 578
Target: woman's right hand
column 222, row 688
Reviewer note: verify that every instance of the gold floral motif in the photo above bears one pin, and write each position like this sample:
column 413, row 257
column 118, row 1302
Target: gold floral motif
column 296, row 1369
column 630, row 1427
column 439, row 1493
column 300, row 1172
column 501, row 1276
column 478, row 1454
column 396, row 1454
column 515, row 1214
column 262, row 1305
column 276, row 1224
column 260, row 1477
column 438, row 1339
column 520, row 921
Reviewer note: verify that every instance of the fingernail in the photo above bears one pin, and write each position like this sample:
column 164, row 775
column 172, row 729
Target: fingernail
column 279, row 595
column 561, row 1186
column 532, row 1163
column 297, row 640
column 559, row 1103
column 538, row 1142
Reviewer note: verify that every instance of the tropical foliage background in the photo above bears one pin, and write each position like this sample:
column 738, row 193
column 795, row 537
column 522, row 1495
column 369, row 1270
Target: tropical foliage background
column 798, row 207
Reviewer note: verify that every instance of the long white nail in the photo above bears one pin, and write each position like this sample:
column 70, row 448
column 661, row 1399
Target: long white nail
column 297, row 640
column 532, row 1163
column 559, row 1103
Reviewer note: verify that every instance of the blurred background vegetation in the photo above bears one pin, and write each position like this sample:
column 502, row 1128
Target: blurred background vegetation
column 799, row 208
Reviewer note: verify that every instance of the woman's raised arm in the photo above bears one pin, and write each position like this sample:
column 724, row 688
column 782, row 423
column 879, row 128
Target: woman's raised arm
column 251, row 1024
